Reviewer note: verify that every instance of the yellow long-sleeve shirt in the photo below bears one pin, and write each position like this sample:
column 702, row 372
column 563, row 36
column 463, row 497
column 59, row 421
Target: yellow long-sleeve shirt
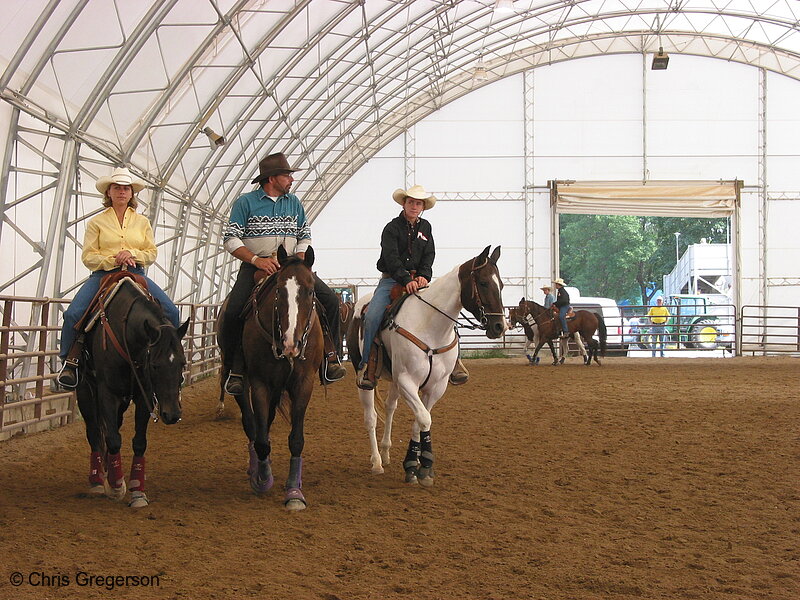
column 105, row 238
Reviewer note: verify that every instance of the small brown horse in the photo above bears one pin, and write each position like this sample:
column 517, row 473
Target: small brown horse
column 283, row 351
column 582, row 328
column 516, row 319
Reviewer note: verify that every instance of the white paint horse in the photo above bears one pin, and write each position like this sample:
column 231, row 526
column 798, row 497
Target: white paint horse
column 423, row 347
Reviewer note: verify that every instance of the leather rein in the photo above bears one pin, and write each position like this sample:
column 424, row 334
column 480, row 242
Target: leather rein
column 149, row 395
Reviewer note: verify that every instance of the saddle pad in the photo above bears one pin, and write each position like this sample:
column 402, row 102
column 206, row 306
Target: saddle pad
column 106, row 300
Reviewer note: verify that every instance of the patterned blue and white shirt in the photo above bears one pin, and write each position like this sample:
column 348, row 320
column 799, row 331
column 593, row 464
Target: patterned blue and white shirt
column 263, row 223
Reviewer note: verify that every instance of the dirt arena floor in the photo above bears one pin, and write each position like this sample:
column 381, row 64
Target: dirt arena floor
column 674, row 478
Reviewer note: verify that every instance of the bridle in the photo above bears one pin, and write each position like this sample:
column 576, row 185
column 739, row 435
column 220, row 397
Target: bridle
column 145, row 363
column 482, row 315
column 271, row 336
column 476, row 295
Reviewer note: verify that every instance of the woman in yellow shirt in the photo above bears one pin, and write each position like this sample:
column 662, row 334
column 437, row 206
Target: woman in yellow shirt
column 116, row 237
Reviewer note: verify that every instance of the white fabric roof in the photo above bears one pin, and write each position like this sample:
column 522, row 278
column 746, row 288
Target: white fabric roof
column 91, row 83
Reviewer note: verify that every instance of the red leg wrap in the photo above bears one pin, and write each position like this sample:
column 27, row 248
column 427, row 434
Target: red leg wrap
column 95, row 469
column 136, row 483
column 115, row 476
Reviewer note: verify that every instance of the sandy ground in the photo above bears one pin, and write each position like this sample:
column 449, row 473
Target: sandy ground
column 673, row 478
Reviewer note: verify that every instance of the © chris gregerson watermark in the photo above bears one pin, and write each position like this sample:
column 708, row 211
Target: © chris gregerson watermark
column 82, row 579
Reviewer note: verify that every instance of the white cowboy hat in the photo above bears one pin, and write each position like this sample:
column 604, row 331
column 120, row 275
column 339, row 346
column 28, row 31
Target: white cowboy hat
column 545, row 287
column 120, row 176
column 415, row 191
column 559, row 281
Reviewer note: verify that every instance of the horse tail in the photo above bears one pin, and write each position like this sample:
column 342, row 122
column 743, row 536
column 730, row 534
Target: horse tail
column 601, row 327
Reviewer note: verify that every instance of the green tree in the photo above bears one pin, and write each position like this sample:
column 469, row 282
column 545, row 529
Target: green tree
column 626, row 257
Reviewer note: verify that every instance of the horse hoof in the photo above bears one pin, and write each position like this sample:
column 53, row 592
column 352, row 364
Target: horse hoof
column 117, row 493
column 377, row 470
column 138, row 500
column 98, row 489
column 295, row 505
column 411, row 475
column 561, row 362
column 425, row 476
column 294, row 499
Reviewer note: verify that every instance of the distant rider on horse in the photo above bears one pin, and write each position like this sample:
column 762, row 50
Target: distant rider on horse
column 562, row 303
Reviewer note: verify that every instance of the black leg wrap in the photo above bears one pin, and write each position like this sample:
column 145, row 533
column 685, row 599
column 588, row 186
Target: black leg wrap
column 412, row 456
column 426, row 450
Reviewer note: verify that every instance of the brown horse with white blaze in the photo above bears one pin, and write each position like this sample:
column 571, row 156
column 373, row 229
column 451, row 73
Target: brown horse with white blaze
column 283, row 351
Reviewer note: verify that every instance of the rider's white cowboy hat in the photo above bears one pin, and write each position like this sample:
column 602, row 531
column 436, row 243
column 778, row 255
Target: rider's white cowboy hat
column 415, row 191
column 120, row 176
column 545, row 287
column 559, row 281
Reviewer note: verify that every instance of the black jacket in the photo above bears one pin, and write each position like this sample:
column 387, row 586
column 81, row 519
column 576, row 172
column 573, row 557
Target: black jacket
column 562, row 299
column 407, row 248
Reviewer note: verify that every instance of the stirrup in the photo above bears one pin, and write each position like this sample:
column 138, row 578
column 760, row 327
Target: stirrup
column 362, row 381
column 334, row 371
column 68, row 376
column 234, row 385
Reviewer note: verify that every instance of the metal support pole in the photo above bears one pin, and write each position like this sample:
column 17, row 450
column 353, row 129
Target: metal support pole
column 528, row 100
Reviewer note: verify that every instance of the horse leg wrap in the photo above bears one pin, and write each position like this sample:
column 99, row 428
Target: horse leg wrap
column 261, row 478
column 294, row 498
column 115, row 477
column 426, row 450
column 411, row 461
column 95, row 469
column 136, row 483
column 295, row 479
column 253, row 462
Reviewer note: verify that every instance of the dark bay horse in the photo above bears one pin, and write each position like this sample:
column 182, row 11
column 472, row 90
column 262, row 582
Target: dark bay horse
column 283, row 351
column 422, row 348
column 132, row 351
column 582, row 328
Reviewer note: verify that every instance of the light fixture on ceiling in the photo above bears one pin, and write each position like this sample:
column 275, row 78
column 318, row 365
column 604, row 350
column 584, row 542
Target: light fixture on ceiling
column 214, row 139
column 480, row 73
column 504, row 6
column 660, row 60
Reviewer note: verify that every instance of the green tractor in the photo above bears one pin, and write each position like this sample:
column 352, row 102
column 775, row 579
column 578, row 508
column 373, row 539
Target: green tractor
column 697, row 322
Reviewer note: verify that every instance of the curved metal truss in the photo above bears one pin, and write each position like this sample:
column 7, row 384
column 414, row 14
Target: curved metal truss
column 329, row 82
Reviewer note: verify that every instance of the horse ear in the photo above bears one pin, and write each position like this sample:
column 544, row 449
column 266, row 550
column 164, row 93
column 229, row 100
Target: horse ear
column 484, row 254
column 309, row 256
column 281, row 255
column 183, row 329
column 495, row 255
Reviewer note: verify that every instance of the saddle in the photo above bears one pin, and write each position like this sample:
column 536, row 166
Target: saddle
column 109, row 286
column 570, row 313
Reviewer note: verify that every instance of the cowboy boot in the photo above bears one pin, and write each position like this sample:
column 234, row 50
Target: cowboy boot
column 68, row 376
column 234, row 385
column 334, row 371
column 366, row 376
column 460, row 375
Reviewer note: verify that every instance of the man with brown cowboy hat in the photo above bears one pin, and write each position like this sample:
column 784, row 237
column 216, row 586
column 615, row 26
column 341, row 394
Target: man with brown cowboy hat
column 260, row 222
column 407, row 254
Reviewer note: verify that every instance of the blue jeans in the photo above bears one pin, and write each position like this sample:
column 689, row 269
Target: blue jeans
column 84, row 297
column 372, row 320
column 562, row 314
column 658, row 333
